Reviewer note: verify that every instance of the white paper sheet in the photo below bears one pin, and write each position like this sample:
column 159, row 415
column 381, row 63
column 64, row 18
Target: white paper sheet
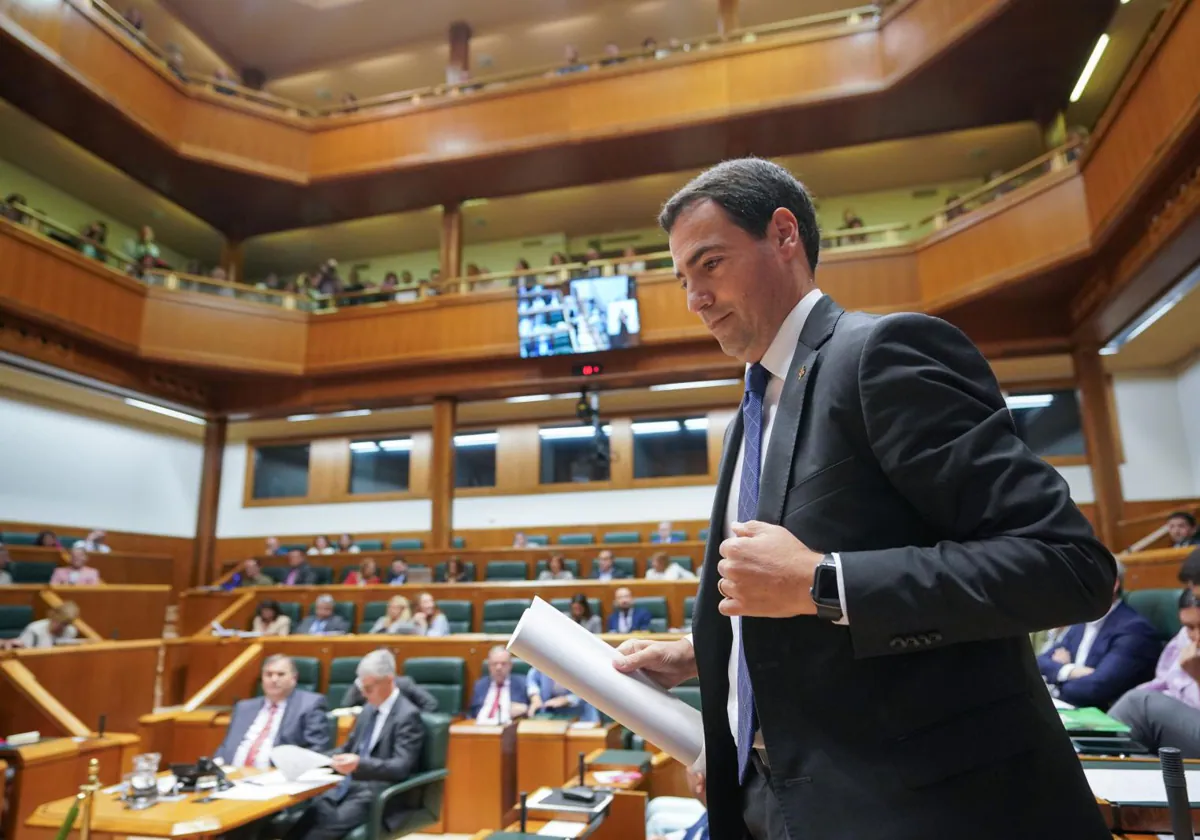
column 573, row 657
column 246, row 792
column 562, row 828
column 1124, row 785
column 293, row 762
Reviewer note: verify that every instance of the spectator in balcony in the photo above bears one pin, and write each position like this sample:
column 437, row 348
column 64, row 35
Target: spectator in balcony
column 593, row 254
column 96, row 543
column 349, row 103
column 1181, row 530
column 571, row 62
column 581, row 613
column 1001, row 188
column 851, row 220
column 323, row 621
column 397, row 620
column 5, row 563
column 345, row 545
column 631, row 263
column 93, row 239
column 953, row 209
column 353, row 287
column 406, row 278
column 661, row 568
column 523, row 279
column 556, row 569
column 367, row 574
column 299, row 572
column 663, row 534
column 627, row 618
column 603, row 568
column 519, row 540
column 133, row 16
column 456, row 572
column 612, row 55
column 78, row 573
column 251, row 575
column 269, row 621
column 320, row 546
column 328, row 282
column 428, row 619
column 398, row 572
column 1077, row 137
column 223, row 79
column 145, row 250
column 273, row 548
column 175, row 62
column 387, row 289
column 57, row 627
column 47, row 539
column 14, row 209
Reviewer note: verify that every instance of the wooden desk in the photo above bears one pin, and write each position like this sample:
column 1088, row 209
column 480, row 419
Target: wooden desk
column 187, row 818
column 586, row 741
column 541, row 753
column 626, row 818
column 482, row 786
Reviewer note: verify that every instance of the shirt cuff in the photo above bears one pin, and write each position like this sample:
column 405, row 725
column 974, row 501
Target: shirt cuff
column 837, row 565
column 690, row 640
column 1064, row 673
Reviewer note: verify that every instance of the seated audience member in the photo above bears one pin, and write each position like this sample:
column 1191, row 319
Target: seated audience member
column 549, row 698
column 268, row 621
column 850, row 221
column 456, row 572
column 95, row 543
column 345, row 545
column 1095, row 663
column 398, row 618
column 273, row 548
column 603, row 568
column 5, row 562
column 555, row 569
column 47, row 539
column 501, row 696
column 571, row 63
column 428, row 619
column 367, row 574
column 632, row 264
column 283, row 714
column 678, row 817
column 79, row 573
column 626, row 618
column 299, row 572
column 250, row 575
column 320, row 545
column 382, row 750
column 398, row 572
column 663, row 534
column 1165, row 712
column 57, row 627
column 416, row 695
column 323, row 621
column 661, row 568
column 1181, row 530
column 519, row 540
column 581, row 613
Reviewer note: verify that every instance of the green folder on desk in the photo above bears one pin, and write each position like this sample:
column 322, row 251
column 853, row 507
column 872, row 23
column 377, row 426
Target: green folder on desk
column 622, row 760
column 1091, row 720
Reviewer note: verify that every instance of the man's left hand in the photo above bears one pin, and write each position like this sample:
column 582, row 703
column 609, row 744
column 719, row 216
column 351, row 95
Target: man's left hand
column 766, row 572
column 345, row 763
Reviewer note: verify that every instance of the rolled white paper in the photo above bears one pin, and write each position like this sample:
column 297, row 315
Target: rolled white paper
column 573, row 657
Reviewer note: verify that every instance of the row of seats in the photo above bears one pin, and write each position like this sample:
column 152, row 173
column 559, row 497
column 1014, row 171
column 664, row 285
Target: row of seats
column 32, row 572
column 609, row 538
column 500, row 616
column 493, row 570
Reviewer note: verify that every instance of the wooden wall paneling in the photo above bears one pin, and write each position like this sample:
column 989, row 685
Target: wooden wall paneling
column 198, row 608
column 210, row 495
column 1099, row 433
column 451, row 241
column 662, row 308
column 718, row 423
column 135, row 558
column 328, row 470
column 40, row 21
column 878, row 280
column 256, row 143
column 120, row 612
column 441, row 472
column 420, row 464
column 918, row 30
column 1158, row 569
column 830, row 65
column 621, row 449
column 518, row 462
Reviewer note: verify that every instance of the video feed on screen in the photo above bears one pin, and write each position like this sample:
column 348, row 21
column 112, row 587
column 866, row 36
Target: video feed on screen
column 587, row 315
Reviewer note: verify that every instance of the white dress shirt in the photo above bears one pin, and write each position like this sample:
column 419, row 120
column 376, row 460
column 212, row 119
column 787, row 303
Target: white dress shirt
column 673, row 572
column 505, row 714
column 381, row 716
column 262, row 759
column 1090, row 631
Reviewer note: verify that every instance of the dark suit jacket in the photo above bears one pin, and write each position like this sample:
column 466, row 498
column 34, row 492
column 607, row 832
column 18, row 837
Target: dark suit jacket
column 303, row 725
column 394, row 758
column 641, row 621
column 305, row 576
column 334, row 624
column 518, row 692
column 617, row 573
column 1124, row 654
column 926, row 716
column 419, row 697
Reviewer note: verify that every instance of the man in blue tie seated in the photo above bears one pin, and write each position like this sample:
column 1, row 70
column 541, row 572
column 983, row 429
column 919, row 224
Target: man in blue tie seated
column 553, row 700
column 604, row 569
column 383, row 749
column 625, row 617
column 501, row 696
column 283, row 715
column 323, row 621
column 1093, row 664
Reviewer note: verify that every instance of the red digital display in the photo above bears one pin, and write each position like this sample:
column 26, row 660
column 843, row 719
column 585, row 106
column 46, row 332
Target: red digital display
column 588, row 370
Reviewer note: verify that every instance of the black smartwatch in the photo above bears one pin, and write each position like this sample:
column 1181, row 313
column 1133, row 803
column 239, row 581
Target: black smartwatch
column 825, row 590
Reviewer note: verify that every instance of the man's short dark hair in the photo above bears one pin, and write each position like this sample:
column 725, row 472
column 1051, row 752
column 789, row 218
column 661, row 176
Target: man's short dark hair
column 1185, row 516
column 1189, row 571
column 750, row 190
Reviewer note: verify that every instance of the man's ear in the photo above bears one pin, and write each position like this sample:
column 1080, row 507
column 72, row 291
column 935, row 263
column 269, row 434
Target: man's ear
column 784, row 231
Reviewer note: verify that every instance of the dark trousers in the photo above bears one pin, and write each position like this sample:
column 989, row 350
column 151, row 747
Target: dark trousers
column 329, row 819
column 760, row 808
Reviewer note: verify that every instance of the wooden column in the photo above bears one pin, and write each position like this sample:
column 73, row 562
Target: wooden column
column 204, row 546
column 1100, row 435
column 441, row 472
column 727, row 17
column 459, row 68
column 233, row 258
column 452, row 236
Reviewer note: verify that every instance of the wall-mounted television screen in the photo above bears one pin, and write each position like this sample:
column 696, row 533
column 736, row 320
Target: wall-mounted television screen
column 582, row 316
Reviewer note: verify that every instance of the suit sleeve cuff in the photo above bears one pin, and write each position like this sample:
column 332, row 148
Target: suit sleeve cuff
column 1064, row 673
column 690, row 640
column 837, row 562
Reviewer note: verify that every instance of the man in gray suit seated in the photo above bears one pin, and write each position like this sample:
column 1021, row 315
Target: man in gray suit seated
column 323, row 621
column 283, row 715
column 383, row 749
column 416, row 695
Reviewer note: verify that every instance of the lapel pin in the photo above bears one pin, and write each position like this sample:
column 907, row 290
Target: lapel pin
column 803, row 370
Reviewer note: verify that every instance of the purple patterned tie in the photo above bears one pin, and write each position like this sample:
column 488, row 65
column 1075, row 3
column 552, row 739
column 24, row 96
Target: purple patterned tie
column 752, row 431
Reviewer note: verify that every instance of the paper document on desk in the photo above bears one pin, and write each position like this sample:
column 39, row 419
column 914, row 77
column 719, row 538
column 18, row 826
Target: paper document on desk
column 582, row 662
column 293, row 762
column 246, row 792
column 562, row 828
column 1128, row 785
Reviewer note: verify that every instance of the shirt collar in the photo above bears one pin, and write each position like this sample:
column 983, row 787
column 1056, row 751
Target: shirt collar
column 385, row 707
column 778, row 357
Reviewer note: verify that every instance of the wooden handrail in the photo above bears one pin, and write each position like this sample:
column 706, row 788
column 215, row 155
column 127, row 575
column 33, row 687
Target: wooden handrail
column 62, row 228
column 27, row 684
column 238, row 288
column 1159, row 515
column 243, row 601
column 222, row 679
column 50, row 599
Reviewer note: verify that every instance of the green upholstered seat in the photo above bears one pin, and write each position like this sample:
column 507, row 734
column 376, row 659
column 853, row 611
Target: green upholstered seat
column 563, row 605
column 537, row 539
column 345, row 609
column 13, row 619
column 576, row 539
column 689, row 607
column 32, row 571
column 458, row 542
column 622, row 537
column 501, row 616
column 506, row 570
column 18, row 537
column 372, row 611
column 689, row 694
column 369, row 545
column 459, row 615
column 439, row 571
column 442, row 676
column 407, row 544
column 294, row 547
column 1158, row 606
column 324, row 575
column 685, row 562
column 341, row 677
column 275, row 573
column 625, row 564
column 656, row 605
column 702, row 535
column 571, row 566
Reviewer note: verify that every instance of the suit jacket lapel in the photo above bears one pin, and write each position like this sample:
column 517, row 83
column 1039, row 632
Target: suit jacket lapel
column 289, row 714
column 707, row 593
column 777, row 468
column 252, row 710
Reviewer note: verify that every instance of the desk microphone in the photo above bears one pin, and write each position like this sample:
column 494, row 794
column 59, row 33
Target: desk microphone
column 100, row 728
column 524, row 811
column 1177, row 794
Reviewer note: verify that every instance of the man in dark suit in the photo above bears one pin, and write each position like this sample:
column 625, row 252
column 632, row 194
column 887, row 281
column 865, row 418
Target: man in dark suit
column 862, row 618
column 1093, row 664
column 605, row 569
column 416, row 695
column 283, row 715
column 625, row 617
column 323, row 621
column 299, row 572
column 383, row 748
column 501, row 696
